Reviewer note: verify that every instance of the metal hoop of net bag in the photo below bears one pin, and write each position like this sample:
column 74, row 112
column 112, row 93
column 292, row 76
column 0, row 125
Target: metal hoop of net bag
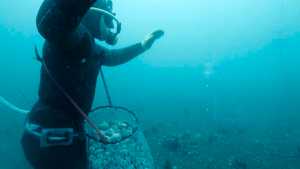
column 126, row 148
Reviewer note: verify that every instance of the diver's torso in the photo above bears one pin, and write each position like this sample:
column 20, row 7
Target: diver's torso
column 76, row 70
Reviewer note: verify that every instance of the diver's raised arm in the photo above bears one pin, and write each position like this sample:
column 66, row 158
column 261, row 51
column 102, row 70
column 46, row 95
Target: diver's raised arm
column 57, row 19
column 116, row 57
column 120, row 56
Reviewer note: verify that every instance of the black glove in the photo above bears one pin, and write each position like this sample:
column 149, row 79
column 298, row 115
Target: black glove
column 151, row 38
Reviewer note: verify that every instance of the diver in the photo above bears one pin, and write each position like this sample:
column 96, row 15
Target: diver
column 71, row 60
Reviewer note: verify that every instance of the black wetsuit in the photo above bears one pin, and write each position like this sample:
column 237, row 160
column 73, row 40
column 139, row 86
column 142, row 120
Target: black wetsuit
column 74, row 59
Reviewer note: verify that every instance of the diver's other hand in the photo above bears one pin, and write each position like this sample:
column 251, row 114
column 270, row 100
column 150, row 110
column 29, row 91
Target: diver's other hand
column 151, row 38
column 102, row 138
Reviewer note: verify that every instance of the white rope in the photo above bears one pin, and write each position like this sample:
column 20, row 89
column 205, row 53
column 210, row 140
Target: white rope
column 12, row 106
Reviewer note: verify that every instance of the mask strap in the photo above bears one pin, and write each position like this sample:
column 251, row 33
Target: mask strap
column 108, row 14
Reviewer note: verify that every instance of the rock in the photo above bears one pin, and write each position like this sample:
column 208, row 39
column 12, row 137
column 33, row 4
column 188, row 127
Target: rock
column 109, row 132
column 103, row 126
column 126, row 132
column 115, row 137
column 122, row 125
column 133, row 153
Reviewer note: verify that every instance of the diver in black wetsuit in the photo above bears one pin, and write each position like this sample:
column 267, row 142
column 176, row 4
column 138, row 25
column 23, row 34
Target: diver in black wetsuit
column 73, row 59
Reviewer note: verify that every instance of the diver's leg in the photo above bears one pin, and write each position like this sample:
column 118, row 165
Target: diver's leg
column 57, row 157
column 73, row 156
column 57, row 19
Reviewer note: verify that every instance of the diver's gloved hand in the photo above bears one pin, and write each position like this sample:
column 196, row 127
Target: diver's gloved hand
column 102, row 138
column 151, row 38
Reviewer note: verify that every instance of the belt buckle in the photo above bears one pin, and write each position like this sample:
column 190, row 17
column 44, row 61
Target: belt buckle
column 56, row 137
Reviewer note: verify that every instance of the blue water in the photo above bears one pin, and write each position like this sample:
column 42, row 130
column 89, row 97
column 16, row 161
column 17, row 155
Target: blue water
column 223, row 82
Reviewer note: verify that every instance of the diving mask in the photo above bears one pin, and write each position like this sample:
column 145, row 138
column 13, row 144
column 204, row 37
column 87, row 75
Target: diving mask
column 102, row 22
column 111, row 37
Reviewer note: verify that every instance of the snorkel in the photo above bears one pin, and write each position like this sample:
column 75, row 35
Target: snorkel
column 105, row 10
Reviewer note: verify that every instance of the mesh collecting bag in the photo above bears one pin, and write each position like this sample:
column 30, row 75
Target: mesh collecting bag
column 126, row 148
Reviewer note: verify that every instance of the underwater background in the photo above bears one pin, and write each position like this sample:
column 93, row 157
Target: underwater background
column 221, row 89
